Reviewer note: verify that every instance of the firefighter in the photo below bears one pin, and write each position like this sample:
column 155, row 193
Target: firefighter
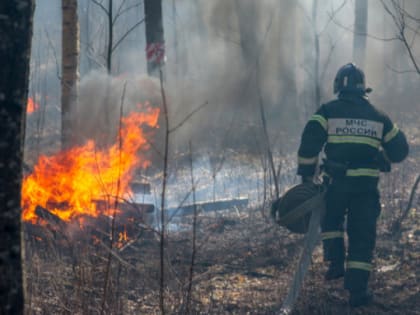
column 358, row 141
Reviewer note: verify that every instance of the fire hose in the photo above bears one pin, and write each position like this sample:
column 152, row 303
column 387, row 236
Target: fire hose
column 316, row 207
column 312, row 237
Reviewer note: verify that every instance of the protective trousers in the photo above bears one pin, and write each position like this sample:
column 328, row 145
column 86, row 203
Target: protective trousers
column 362, row 210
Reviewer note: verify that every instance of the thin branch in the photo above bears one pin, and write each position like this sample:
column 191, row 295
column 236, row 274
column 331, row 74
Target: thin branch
column 50, row 43
column 188, row 117
column 194, row 237
column 410, row 16
column 399, row 71
column 416, row 33
column 114, row 215
column 410, row 51
column 398, row 16
column 351, row 30
column 388, row 10
column 328, row 60
column 262, row 113
column 332, row 15
column 126, row 34
column 99, row 4
column 308, row 18
column 91, row 56
column 267, row 140
column 163, row 196
column 410, row 200
column 117, row 14
column 396, row 228
column 118, row 257
column 126, row 10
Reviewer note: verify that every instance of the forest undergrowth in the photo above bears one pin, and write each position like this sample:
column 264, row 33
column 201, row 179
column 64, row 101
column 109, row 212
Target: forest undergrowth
column 241, row 262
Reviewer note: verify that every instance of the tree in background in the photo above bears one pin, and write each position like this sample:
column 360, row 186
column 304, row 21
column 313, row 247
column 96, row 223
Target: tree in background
column 360, row 32
column 15, row 47
column 114, row 11
column 69, row 68
column 155, row 46
column 407, row 24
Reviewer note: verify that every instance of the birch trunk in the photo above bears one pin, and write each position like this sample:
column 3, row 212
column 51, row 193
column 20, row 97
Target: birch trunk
column 70, row 69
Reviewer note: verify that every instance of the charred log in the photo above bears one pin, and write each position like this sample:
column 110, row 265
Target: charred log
column 222, row 204
column 48, row 216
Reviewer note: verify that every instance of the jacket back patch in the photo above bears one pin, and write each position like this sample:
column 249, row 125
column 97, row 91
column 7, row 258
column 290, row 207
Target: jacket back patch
column 355, row 127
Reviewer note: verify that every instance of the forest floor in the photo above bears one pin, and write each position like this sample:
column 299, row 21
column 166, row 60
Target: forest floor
column 243, row 264
column 246, row 268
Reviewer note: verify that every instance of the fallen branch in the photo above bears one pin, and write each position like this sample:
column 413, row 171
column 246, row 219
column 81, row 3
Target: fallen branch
column 48, row 216
column 207, row 206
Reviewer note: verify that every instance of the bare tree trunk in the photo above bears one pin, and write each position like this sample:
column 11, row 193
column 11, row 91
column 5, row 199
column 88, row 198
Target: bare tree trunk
column 176, row 65
column 15, row 48
column 155, row 49
column 360, row 31
column 317, row 82
column 110, row 37
column 311, row 87
column 70, row 69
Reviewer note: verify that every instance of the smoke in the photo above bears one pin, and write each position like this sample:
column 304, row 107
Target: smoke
column 269, row 48
column 234, row 56
column 103, row 99
column 237, row 49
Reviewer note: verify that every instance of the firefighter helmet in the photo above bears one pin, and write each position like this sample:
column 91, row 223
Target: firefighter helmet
column 293, row 209
column 350, row 78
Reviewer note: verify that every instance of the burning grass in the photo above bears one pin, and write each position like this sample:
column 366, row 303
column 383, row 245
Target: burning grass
column 243, row 262
column 243, row 266
column 68, row 182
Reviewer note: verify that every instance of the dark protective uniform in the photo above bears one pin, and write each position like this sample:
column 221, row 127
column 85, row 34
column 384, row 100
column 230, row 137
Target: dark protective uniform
column 352, row 132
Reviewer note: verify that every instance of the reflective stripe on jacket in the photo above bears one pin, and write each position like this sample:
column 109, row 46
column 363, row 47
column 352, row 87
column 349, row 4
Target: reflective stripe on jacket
column 351, row 131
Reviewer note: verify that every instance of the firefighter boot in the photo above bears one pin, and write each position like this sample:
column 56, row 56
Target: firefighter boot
column 335, row 271
column 360, row 298
column 356, row 282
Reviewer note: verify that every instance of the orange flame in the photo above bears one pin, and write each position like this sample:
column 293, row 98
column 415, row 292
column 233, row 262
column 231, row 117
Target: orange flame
column 67, row 183
column 32, row 106
column 122, row 236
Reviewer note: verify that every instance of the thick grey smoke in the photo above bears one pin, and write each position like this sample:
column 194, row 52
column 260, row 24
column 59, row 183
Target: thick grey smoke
column 233, row 55
column 234, row 52
column 241, row 47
